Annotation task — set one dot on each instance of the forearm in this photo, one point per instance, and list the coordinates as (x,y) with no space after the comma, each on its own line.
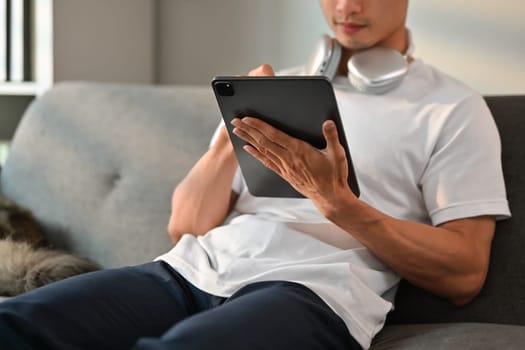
(204,198)
(442,260)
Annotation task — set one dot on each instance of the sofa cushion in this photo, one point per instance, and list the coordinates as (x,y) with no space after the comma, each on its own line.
(451,336)
(97,163)
(501,299)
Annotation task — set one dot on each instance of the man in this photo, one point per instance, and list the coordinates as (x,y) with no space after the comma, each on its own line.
(316,273)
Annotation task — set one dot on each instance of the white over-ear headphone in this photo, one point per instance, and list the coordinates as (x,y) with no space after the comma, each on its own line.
(375,70)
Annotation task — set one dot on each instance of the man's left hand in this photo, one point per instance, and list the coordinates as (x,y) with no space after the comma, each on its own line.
(319,174)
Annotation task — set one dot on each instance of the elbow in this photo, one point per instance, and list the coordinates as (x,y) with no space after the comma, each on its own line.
(468,288)
(173,232)
(462,300)
(177,228)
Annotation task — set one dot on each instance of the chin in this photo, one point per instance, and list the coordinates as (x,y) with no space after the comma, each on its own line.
(352,44)
(356,41)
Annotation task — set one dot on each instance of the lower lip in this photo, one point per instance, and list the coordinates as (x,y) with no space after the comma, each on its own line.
(350,29)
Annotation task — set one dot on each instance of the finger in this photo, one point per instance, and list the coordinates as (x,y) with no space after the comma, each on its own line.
(335,150)
(263,140)
(246,133)
(262,145)
(331,137)
(278,138)
(241,131)
(262,71)
(268,161)
(267,70)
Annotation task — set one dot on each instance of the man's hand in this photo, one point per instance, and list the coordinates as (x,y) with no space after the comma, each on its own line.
(317,174)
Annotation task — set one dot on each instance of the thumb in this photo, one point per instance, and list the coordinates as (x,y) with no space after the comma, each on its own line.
(262,71)
(335,151)
(330,135)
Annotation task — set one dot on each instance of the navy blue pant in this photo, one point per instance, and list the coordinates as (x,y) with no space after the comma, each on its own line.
(152,307)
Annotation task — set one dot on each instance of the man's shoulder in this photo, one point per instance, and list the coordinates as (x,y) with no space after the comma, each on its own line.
(437,85)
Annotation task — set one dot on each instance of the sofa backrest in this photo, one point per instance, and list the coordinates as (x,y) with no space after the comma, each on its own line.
(502,298)
(97,163)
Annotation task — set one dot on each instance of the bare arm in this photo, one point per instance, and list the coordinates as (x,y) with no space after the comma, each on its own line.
(450,260)
(204,197)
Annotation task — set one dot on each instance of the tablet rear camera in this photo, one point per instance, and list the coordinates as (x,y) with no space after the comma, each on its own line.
(224,88)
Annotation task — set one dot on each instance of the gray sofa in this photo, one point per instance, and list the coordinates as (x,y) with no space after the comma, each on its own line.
(97,163)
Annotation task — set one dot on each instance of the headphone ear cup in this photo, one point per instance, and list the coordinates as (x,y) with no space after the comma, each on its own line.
(324,58)
(376,70)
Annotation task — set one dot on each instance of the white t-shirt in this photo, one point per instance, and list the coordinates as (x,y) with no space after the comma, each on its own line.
(427,151)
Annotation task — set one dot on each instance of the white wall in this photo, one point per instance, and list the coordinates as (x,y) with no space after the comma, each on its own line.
(200,39)
(104,40)
(479,42)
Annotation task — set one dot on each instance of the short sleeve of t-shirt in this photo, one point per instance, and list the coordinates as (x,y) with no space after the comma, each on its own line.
(463,177)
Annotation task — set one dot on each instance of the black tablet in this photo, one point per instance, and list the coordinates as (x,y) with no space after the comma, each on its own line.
(296,105)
